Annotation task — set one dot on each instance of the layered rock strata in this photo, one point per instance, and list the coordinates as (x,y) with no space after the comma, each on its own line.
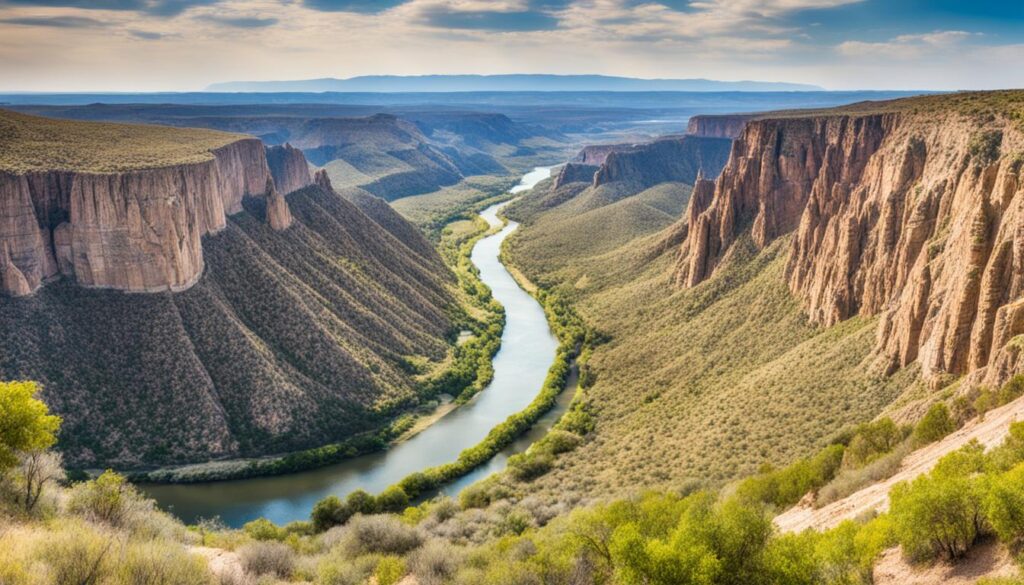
(914,216)
(677,158)
(722,126)
(137,230)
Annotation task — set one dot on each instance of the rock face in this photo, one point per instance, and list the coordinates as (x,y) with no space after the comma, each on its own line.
(136,231)
(278,215)
(289,168)
(595,154)
(575,173)
(727,126)
(917,217)
(679,159)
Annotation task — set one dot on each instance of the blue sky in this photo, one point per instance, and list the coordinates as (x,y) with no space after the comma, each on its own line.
(149,45)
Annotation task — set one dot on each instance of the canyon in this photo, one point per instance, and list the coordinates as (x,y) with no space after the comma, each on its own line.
(207,286)
(913,212)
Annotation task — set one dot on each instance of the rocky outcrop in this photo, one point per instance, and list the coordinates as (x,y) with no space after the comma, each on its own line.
(323,180)
(289,168)
(595,154)
(916,217)
(724,126)
(575,173)
(278,215)
(678,158)
(136,231)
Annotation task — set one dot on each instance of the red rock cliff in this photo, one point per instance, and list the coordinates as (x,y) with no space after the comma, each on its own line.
(914,216)
(137,231)
(289,168)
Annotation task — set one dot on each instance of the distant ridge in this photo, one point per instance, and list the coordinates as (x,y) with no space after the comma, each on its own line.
(516,82)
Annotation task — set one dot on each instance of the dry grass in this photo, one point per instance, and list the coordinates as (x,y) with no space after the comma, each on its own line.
(32,143)
(700,385)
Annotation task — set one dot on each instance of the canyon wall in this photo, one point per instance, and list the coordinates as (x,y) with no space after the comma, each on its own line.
(575,173)
(718,126)
(289,168)
(914,216)
(136,231)
(678,158)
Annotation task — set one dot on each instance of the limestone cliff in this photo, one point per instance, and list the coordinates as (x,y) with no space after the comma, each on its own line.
(137,230)
(720,126)
(914,212)
(595,154)
(677,158)
(289,167)
(575,173)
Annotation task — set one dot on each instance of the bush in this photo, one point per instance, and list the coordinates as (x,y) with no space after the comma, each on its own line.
(78,554)
(935,425)
(784,487)
(338,571)
(851,480)
(161,563)
(268,558)
(377,534)
(27,423)
(1004,505)
(871,441)
(389,570)
(109,499)
(435,562)
(263,529)
(940,514)
(529,466)
(558,441)
(330,512)
(393,499)
(1011,390)
(360,502)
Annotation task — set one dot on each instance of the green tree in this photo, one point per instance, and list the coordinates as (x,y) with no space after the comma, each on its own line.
(1004,505)
(330,512)
(393,499)
(940,514)
(25,422)
(935,425)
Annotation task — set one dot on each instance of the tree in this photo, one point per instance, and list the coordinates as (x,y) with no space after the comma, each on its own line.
(37,470)
(935,425)
(25,422)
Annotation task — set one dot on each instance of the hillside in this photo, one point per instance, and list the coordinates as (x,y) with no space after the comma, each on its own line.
(294,327)
(845,263)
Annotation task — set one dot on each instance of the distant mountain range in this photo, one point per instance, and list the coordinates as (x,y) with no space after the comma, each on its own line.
(518,82)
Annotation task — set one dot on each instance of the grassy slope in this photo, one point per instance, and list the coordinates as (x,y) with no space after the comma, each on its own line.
(695,385)
(433,211)
(31,143)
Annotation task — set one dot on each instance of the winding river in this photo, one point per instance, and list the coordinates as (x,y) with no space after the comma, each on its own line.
(527,351)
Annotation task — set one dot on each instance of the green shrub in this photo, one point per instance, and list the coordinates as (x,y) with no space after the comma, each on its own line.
(263,529)
(871,441)
(334,570)
(329,512)
(940,514)
(1011,390)
(109,498)
(361,502)
(393,499)
(935,425)
(389,570)
(558,441)
(784,487)
(1004,505)
(268,558)
(529,466)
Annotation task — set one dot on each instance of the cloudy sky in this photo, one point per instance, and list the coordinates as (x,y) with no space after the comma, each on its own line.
(156,45)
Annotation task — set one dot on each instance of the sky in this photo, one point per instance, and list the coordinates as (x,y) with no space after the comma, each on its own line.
(184,45)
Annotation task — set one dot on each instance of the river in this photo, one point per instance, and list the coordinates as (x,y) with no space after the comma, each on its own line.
(520,366)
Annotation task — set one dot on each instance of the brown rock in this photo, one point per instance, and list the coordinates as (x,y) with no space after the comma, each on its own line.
(575,173)
(137,231)
(278,215)
(726,126)
(890,215)
(12,279)
(323,180)
(289,168)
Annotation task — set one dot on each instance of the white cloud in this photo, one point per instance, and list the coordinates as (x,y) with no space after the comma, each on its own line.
(910,46)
